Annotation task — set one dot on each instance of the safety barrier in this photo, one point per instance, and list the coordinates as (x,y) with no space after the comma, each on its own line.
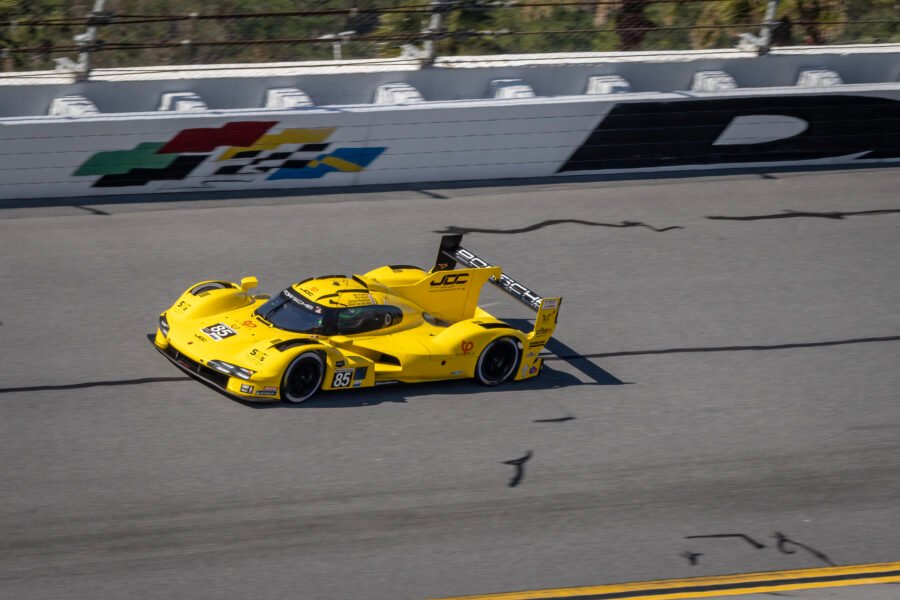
(594,115)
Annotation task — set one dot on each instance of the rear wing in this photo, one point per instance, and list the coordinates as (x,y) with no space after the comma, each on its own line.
(451,252)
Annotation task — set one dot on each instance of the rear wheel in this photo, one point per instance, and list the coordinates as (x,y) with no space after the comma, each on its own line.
(497,362)
(303,377)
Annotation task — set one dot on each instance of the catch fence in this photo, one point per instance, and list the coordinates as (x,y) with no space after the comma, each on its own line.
(78,36)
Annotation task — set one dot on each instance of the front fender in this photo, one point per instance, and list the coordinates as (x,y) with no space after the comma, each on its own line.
(195,304)
(343,370)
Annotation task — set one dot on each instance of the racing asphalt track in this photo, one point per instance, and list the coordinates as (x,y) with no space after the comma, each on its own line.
(727,368)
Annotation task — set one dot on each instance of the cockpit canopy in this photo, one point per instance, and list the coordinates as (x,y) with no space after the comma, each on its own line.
(347,313)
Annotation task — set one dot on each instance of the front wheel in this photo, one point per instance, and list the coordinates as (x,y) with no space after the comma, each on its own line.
(303,377)
(497,362)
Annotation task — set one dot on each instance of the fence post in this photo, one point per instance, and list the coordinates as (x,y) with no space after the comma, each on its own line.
(761,43)
(88,40)
(435,26)
(768,25)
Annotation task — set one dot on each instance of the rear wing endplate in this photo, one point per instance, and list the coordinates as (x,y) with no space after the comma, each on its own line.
(451,252)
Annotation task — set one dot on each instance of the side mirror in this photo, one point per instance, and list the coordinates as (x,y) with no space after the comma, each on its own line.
(248,283)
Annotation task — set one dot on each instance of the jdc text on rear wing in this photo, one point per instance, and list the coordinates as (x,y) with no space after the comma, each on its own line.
(451,252)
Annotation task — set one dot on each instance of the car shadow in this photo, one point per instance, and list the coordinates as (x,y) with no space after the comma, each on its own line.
(549,379)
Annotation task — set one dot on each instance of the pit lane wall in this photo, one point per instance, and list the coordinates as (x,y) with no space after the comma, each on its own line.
(460,119)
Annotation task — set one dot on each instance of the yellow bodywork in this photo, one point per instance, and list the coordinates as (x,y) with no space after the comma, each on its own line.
(434,330)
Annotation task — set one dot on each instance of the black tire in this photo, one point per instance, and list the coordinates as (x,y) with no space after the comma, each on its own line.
(302,378)
(498,361)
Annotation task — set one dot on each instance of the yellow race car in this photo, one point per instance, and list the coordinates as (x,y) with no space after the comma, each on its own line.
(396,324)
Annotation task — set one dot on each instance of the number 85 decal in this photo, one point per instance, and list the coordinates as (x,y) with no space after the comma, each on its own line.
(342,378)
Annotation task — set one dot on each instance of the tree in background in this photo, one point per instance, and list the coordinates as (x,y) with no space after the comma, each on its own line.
(551,27)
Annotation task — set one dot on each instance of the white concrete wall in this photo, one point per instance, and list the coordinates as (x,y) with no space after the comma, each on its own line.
(449,140)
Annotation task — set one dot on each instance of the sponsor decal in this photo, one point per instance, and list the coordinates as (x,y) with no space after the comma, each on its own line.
(219,331)
(257,356)
(542,332)
(301,302)
(506,282)
(267,391)
(246,389)
(251,152)
(467,346)
(451,279)
(342,378)
(739,130)
(456,372)
(549,303)
(357,299)
(387,382)
(537,344)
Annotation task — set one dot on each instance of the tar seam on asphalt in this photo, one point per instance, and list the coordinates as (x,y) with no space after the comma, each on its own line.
(791,214)
(93,211)
(691,556)
(90,384)
(556,420)
(547,223)
(783,542)
(891,338)
(746,538)
(434,195)
(519,464)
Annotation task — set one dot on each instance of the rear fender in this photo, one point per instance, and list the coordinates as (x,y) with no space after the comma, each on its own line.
(462,343)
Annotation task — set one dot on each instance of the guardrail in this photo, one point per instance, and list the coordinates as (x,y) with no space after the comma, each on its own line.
(463,119)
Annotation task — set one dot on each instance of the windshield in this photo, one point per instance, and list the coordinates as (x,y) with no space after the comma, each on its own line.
(287,311)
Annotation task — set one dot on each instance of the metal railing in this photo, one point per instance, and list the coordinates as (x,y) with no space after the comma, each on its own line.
(112,34)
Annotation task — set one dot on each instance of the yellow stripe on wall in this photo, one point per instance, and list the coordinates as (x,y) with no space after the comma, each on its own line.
(288,136)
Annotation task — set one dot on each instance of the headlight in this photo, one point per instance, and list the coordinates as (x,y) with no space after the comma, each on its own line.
(164,325)
(230,369)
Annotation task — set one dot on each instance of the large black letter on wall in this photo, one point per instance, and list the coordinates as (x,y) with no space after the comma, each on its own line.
(684,132)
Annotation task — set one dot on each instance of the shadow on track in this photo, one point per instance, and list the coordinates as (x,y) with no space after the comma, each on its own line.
(402,393)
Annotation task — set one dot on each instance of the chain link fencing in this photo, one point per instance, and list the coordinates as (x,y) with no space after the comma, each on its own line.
(80,35)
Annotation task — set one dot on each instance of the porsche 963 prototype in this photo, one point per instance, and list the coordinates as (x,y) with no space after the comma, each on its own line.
(395,324)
